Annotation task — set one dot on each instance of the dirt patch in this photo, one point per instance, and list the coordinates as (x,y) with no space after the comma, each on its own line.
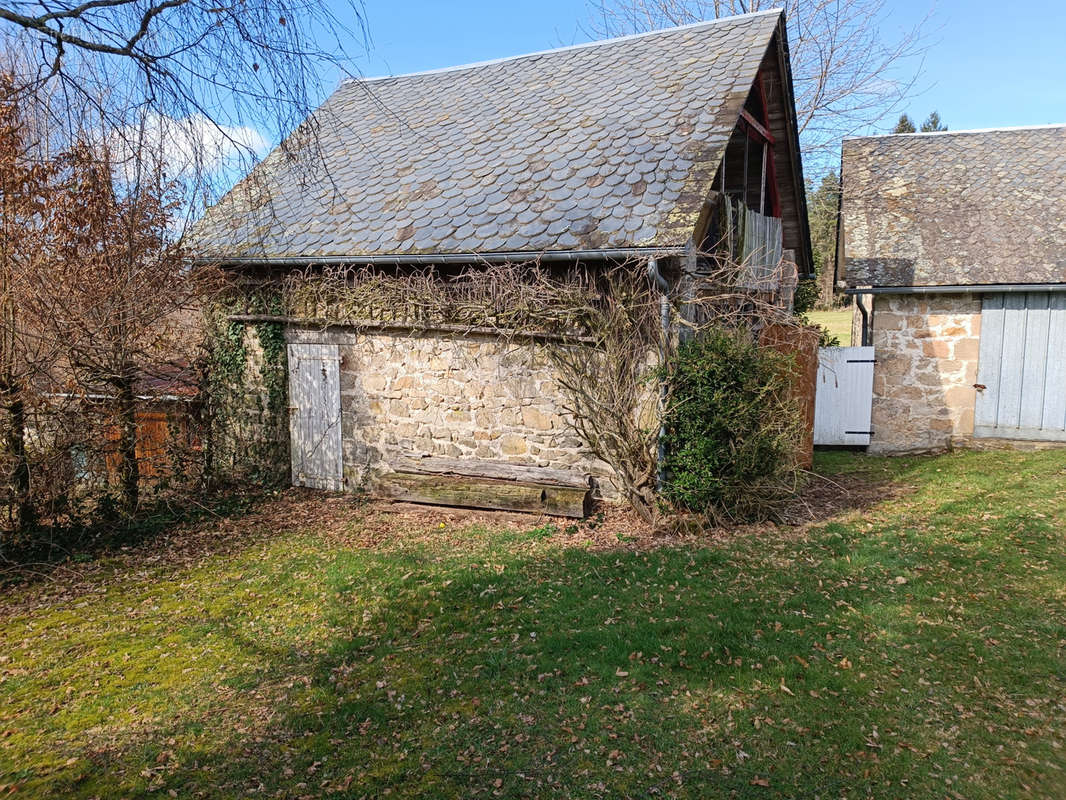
(353,522)
(611,527)
(825,497)
(388,524)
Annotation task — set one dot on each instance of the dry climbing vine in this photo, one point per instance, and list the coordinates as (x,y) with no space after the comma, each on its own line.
(599,328)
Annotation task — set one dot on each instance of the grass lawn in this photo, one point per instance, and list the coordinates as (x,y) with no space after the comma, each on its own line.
(912,648)
(837,322)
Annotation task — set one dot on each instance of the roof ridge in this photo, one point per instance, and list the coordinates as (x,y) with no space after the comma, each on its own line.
(777,10)
(1006,128)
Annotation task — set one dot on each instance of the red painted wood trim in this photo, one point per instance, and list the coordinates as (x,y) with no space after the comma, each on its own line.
(771,168)
(756,127)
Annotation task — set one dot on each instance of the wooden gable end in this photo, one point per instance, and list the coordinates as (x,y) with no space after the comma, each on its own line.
(768,116)
(776,85)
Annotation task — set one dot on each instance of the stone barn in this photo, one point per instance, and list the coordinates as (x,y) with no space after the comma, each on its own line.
(954,246)
(624,150)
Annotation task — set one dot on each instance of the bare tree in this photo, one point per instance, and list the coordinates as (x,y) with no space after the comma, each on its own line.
(214,78)
(25,182)
(114,290)
(848,72)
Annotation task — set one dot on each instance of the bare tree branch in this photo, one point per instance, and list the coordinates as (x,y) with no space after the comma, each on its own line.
(849,72)
(240,65)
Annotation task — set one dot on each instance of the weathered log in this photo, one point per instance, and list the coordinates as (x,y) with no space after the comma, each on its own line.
(400,326)
(489,493)
(499,470)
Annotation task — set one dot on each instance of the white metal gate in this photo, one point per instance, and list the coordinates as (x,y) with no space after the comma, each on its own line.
(844,396)
(315,416)
(1021,370)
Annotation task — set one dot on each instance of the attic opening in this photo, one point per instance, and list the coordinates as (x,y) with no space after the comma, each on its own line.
(748,172)
(746,211)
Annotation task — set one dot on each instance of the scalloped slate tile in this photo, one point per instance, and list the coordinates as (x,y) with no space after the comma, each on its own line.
(597,140)
(956,208)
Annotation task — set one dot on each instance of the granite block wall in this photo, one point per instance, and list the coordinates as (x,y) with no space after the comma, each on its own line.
(461,396)
(926,349)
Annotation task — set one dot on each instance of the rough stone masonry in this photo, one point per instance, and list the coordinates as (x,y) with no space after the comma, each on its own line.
(431,394)
(926,349)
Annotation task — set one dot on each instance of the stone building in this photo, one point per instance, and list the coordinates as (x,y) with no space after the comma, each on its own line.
(954,245)
(613,151)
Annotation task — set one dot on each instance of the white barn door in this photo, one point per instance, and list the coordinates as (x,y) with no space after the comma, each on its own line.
(315,416)
(1021,368)
(843,400)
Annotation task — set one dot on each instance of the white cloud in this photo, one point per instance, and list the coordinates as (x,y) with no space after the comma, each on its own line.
(193,147)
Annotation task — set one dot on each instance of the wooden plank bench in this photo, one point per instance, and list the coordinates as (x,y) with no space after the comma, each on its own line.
(494,485)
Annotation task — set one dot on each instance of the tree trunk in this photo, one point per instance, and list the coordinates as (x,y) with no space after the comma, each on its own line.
(826,296)
(20,470)
(129,469)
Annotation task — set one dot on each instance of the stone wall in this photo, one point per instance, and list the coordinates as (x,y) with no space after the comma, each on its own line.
(470,396)
(926,349)
(250,436)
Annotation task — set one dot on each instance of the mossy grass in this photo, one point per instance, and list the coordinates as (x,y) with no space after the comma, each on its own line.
(911,649)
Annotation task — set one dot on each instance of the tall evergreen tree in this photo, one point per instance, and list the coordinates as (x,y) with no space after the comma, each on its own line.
(822,205)
(932,123)
(904,125)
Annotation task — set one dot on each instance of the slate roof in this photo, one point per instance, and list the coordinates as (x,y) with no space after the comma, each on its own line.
(955,208)
(607,145)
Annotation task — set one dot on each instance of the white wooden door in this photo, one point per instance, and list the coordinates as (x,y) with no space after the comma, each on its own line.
(1021,368)
(843,399)
(315,416)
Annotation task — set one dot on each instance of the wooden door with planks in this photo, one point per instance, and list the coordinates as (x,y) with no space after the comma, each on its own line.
(315,416)
(1021,368)
(844,396)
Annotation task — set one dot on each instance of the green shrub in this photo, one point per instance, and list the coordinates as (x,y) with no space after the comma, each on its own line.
(731,428)
(806,296)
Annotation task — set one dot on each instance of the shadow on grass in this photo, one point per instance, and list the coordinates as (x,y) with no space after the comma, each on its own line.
(756,671)
(38,554)
(900,654)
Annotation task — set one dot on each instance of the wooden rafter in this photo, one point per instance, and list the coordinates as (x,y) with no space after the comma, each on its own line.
(771,169)
(756,127)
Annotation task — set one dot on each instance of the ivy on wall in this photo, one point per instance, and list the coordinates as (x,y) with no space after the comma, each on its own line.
(274,368)
(247,408)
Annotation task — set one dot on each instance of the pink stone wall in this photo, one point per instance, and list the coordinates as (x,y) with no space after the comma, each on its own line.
(926,349)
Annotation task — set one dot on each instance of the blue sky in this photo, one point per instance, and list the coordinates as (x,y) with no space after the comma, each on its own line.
(988,66)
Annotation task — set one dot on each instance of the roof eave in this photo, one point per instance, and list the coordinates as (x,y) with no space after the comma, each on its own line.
(966,288)
(416,259)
